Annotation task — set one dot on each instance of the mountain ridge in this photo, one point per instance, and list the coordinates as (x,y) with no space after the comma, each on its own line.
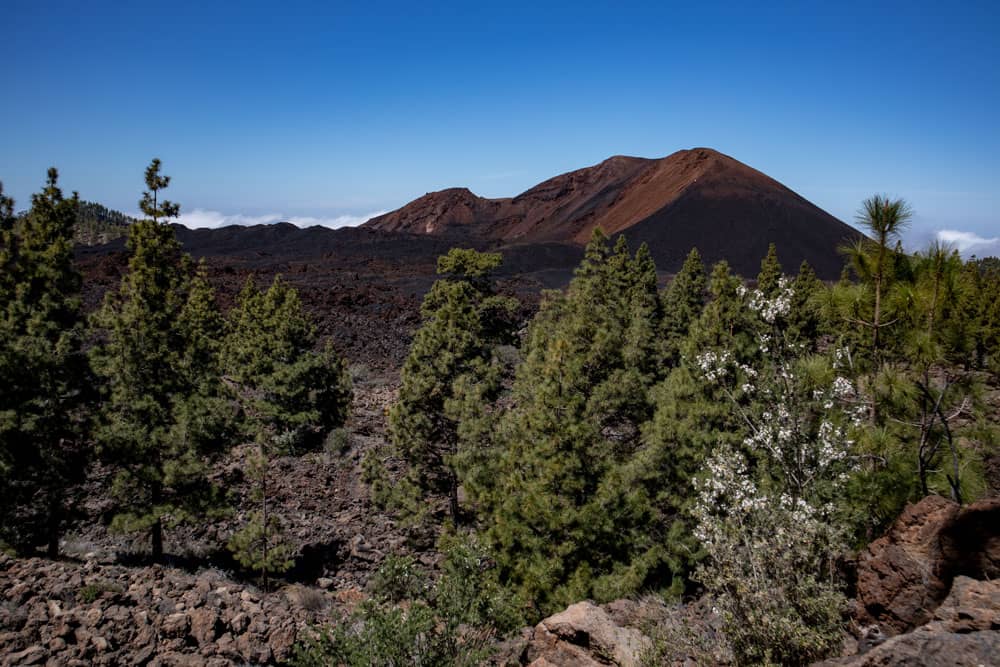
(697,197)
(692,198)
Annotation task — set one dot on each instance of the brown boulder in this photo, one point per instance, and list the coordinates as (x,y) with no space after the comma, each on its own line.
(176,625)
(904,575)
(33,655)
(933,649)
(966,631)
(972,541)
(584,634)
(205,625)
(971,606)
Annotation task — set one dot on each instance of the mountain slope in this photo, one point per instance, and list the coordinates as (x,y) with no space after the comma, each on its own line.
(692,198)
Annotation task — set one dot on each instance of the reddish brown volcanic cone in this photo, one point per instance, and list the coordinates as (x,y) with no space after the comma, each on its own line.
(692,198)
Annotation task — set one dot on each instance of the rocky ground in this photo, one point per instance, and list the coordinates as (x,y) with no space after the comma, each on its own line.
(363,289)
(927,593)
(103,603)
(929,586)
(71,613)
(320,496)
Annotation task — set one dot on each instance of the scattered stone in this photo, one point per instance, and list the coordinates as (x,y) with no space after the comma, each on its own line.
(205,625)
(176,625)
(33,655)
(584,634)
(161,616)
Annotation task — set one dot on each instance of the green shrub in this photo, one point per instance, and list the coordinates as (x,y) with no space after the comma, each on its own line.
(469,591)
(398,579)
(336,442)
(382,634)
(92,591)
(409,622)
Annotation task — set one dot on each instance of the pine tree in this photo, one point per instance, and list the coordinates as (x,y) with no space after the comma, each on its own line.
(6,210)
(930,397)
(162,415)
(290,396)
(149,204)
(770,271)
(564,522)
(439,424)
(683,301)
(966,335)
(261,545)
(804,320)
(690,419)
(879,265)
(723,323)
(989,315)
(42,369)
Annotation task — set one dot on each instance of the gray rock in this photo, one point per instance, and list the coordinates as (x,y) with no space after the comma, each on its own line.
(176,625)
(584,634)
(33,655)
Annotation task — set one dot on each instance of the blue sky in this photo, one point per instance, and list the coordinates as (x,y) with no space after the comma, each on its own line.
(328,112)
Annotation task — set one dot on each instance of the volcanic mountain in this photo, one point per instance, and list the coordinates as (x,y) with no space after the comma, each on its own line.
(692,198)
(364,285)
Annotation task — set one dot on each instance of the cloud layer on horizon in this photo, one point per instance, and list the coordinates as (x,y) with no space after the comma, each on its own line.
(970,243)
(200,218)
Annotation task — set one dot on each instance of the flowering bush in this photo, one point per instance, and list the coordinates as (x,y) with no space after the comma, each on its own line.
(765,512)
(770,566)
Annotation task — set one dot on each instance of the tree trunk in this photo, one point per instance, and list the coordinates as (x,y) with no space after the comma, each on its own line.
(52,525)
(876,320)
(156,531)
(922,473)
(453,499)
(157,539)
(265,527)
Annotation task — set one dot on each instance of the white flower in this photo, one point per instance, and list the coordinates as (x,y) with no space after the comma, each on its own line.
(842,388)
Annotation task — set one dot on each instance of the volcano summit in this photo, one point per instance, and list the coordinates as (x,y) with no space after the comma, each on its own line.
(692,198)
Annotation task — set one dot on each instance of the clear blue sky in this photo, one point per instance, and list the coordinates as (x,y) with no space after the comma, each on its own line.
(327,109)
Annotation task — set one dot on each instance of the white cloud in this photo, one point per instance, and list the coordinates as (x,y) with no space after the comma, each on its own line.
(970,243)
(333,223)
(963,240)
(202,218)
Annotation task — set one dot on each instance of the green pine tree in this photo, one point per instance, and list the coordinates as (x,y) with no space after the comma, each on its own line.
(770,271)
(291,393)
(878,262)
(149,203)
(804,321)
(290,396)
(564,522)
(261,544)
(966,334)
(440,426)
(723,323)
(6,210)
(690,419)
(988,315)
(162,415)
(930,398)
(42,370)
(683,301)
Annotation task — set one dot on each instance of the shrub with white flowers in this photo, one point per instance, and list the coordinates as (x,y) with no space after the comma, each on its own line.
(766,511)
